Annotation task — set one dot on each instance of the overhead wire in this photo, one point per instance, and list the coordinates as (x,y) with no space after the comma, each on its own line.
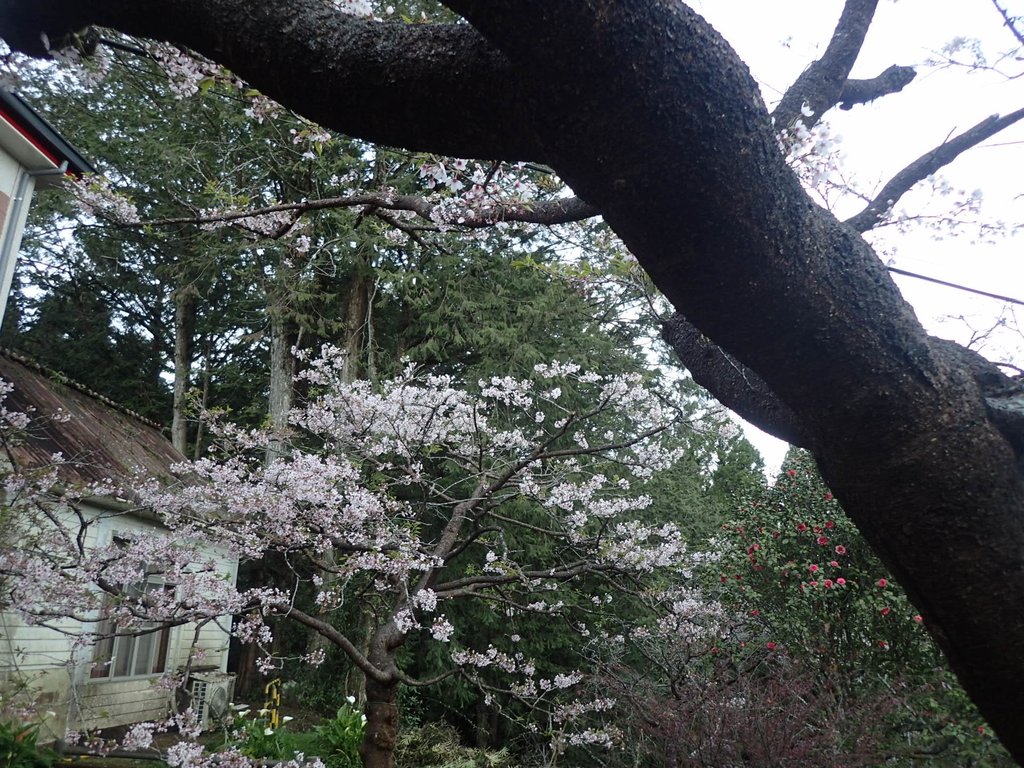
(956,286)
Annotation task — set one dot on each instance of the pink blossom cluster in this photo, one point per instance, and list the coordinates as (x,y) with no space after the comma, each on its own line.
(97,197)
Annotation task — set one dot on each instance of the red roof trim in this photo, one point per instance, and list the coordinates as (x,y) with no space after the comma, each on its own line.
(30,137)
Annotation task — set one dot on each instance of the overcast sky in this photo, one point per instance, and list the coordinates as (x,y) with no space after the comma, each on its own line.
(778,39)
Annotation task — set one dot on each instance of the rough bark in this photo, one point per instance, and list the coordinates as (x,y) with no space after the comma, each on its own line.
(185,302)
(378,746)
(283,335)
(735,386)
(653,119)
(357,317)
(819,84)
(381,736)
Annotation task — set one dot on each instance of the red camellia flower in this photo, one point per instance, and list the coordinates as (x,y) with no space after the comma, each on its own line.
(833,563)
(886,611)
(813,583)
(919,618)
(829,524)
(828,495)
(882,583)
(801,527)
(828,584)
(813,568)
(770,645)
(840,581)
(840,549)
(791,472)
(823,540)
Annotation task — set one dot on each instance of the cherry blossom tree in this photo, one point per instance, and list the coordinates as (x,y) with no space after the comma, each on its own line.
(784,312)
(525,495)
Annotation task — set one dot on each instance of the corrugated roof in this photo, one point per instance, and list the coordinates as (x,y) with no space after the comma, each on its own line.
(100,441)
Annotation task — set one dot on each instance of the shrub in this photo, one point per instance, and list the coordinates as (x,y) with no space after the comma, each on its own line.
(816,596)
(438,746)
(19,747)
(338,739)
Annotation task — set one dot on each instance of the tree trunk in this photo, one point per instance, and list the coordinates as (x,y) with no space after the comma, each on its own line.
(381,737)
(204,402)
(283,336)
(357,316)
(185,302)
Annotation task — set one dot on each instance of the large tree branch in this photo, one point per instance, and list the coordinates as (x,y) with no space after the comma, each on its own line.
(332,635)
(724,230)
(926,165)
(820,85)
(436,87)
(735,386)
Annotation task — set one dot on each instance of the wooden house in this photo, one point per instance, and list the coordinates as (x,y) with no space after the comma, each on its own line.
(111,682)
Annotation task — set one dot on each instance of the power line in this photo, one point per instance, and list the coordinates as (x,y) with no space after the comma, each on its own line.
(1007,299)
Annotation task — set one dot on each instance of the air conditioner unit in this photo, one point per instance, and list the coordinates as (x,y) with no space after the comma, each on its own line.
(211,697)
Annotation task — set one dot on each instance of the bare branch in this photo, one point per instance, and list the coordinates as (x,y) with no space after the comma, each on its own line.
(340,640)
(892,80)
(927,164)
(733,384)
(820,85)
(1010,22)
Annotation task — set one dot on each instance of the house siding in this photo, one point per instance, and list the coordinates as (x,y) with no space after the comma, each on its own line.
(57,678)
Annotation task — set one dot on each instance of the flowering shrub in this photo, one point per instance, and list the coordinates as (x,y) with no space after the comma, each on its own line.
(798,565)
(814,597)
(792,646)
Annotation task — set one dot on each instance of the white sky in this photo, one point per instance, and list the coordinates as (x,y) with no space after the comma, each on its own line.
(778,39)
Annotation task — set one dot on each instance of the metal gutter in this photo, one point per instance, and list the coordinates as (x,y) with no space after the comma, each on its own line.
(41,134)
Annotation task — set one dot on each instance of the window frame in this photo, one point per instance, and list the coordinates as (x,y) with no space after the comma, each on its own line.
(112,647)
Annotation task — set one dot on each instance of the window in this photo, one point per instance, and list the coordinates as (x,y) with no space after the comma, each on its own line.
(136,654)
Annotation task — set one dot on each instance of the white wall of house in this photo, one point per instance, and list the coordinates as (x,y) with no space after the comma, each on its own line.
(60,675)
(16,188)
